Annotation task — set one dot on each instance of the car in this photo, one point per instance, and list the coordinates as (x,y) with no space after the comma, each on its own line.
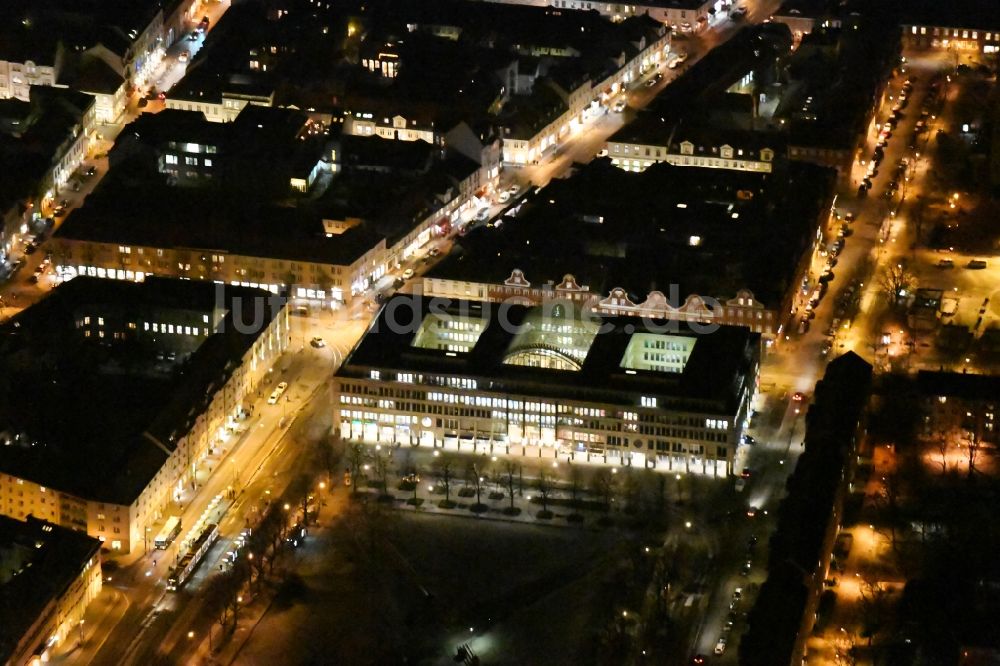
(747,566)
(738,13)
(514,189)
(720,647)
(504,197)
(803,325)
(59,212)
(748,440)
(483,214)
(682,57)
(698,660)
(751,511)
(752,541)
(746,473)
(172,356)
(183,56)
(620,106)
(946,263)
(31,247)
(738,594)
(976,264)
(277,393)
(740,485)
(826,347)
(411,478)
(798,396)
(317,343)
(652,82)
(730,619)
(398,282)
(408,273)
(850,217)
(193,36)
(434,251)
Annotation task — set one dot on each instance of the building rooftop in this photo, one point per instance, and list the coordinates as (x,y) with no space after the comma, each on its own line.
(39,561)
(959,385)
(90,407)
(703,233)
(952,14)
(554,350)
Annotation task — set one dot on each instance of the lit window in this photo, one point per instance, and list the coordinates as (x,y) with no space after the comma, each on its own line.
(171,159)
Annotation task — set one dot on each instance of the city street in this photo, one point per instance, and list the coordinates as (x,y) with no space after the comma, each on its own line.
(258,464)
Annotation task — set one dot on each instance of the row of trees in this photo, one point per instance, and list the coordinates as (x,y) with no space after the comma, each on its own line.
(256,562)
(641,491)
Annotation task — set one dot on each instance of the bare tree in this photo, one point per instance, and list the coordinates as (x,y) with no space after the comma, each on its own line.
(544,486)
(381,463)
(478,479)
(973,452)
(355,461)
(895,280)
(445,473)
(509,469)
(942,444)
(603,484)
(575,483)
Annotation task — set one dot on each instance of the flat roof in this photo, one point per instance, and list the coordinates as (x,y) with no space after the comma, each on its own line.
(97,420)
(968,386)
(704,232)
(712,377)
(49,559)
(952,14)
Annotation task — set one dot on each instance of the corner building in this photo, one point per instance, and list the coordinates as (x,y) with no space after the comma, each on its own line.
(549,381)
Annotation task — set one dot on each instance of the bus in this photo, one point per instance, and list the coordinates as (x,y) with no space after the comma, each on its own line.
(169,532)
(180,573)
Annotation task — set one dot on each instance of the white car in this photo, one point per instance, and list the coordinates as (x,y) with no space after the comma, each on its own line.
(483,214)
(720,647)
(514,189)
(277,393)
(681,58)
(408,273)
(620,106)
(504,197)
(183,56)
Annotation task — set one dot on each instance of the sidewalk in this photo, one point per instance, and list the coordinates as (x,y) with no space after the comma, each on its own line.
(103,614)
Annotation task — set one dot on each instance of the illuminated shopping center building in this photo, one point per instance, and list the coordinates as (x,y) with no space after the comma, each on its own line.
(549,381)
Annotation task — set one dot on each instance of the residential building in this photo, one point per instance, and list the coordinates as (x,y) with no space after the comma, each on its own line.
(42,144)
(690,253)
(961,27)
(111,472)
(48,577)
(271,201)
(549,381)
(960,404)
(689,15)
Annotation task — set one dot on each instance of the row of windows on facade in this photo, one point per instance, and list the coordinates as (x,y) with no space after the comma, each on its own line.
(532,412)
(687,148)
(612,440)
(126,251)
(188,160)
(965,34)
(354,394)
